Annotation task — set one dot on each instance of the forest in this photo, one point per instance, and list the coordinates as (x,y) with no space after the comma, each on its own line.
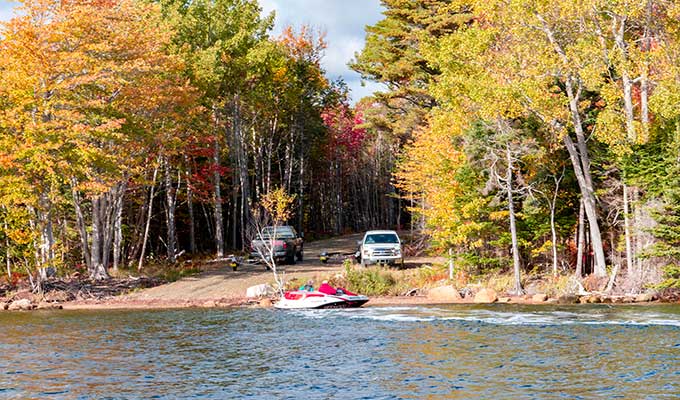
(526,137)
(542,136)
(133,132)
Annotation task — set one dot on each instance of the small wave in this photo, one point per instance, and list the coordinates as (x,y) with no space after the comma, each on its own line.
(398,318)
(423,314)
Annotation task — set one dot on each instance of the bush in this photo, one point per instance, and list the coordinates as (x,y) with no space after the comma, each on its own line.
(173,274)
(373,281)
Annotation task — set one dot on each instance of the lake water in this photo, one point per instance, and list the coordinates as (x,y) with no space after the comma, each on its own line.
(437,352)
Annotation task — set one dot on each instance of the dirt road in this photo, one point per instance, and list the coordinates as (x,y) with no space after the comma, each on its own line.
(223,283)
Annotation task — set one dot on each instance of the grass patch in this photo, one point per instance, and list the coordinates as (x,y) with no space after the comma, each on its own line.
(172,274)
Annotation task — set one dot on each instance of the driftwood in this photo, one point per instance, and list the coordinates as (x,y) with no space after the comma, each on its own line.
(83,289)
(4,289)
(416,246)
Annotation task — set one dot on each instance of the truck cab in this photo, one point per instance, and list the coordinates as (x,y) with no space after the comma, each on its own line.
(380,247)
(285,243)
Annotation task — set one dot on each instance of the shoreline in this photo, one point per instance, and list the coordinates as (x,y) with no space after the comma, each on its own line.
(378,301)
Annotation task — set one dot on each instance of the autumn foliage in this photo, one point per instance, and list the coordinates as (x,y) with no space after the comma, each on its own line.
(129,132)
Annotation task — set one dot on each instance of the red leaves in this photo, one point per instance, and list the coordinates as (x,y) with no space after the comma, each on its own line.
(345,135)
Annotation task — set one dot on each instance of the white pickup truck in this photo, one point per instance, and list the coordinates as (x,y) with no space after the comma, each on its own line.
(380,247)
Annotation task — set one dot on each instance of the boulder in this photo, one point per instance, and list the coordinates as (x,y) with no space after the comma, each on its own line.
(3,306)
(209,304)
(262,290)
(567,299)
(59,296)
(265,303)
(594,299)
(539,297)
(21,305)
(45,305)
(486,296)
(504,299)
(444,294)
(583,299)
(645,297)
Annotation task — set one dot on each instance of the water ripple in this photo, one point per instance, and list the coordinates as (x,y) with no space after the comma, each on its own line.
(498,351)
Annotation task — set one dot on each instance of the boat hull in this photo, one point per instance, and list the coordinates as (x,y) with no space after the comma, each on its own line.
(300,300)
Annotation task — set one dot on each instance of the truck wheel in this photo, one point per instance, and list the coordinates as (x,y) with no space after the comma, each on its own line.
(290,259)
(300,255)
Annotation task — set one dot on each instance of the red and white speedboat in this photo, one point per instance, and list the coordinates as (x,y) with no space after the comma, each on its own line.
(304,299)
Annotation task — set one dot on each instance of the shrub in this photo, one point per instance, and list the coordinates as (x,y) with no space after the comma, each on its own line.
(373,281)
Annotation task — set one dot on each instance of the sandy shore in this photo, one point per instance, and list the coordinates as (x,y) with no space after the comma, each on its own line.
(126,303)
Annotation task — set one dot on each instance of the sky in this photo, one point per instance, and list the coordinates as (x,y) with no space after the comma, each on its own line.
(342,20)
(6,9)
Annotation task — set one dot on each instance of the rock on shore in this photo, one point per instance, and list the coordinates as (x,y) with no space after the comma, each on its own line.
(486,296)
(21,305)
(444,294)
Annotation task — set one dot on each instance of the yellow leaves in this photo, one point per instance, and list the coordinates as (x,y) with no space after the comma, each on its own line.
(85,83)
(277,204)
(545,248)
(501,215)
(280,74)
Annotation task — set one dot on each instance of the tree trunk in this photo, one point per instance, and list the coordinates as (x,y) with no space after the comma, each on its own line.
(234,210)
(148,219)
(580,159)
(637,221)
(97,269)
(289,158)
(581,240)
(107,220)
(80,221)
(553,229)
(46,248)
(626,225)
(118,225)
(513,228)
(170,206)
(217,200)
(242,165)
(588,198)
(190,205)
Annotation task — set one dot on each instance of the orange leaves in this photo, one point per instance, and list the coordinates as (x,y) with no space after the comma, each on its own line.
(85,84)
(307,45)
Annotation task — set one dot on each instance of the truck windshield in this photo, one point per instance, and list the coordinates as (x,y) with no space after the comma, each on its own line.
(381,238)
(282,232)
